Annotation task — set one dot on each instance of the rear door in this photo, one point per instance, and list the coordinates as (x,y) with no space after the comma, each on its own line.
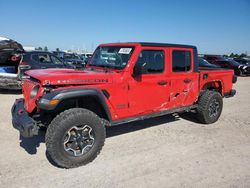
(149,91)
(184,81)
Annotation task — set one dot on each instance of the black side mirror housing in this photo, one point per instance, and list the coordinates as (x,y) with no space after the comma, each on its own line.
(139,69)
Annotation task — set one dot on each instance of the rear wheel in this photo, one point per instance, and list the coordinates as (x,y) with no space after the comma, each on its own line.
(75,137)
(210,107)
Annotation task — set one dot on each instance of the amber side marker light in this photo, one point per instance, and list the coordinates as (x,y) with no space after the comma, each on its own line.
(53,102)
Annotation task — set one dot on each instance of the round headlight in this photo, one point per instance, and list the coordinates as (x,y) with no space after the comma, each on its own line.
(34,91)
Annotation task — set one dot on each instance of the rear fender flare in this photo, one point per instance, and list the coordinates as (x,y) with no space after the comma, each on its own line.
(215,84)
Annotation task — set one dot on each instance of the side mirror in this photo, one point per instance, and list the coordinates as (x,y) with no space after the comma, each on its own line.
(139,69)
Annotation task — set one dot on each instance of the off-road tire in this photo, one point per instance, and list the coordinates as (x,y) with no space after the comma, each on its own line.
(204,103)
(58,128)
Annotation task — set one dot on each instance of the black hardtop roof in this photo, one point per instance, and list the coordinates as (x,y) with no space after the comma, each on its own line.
(166,45)
(155,44)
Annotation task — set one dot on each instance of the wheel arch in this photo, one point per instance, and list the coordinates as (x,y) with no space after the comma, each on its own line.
(216,85)
(91,99)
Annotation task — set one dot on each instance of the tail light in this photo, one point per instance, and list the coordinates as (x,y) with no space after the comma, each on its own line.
(24,66)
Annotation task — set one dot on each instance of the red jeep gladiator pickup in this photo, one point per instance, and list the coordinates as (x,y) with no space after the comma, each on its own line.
(122,82)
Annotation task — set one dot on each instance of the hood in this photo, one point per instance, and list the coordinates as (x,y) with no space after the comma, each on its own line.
(71,76)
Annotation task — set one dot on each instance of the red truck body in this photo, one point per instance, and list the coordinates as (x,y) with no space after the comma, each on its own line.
(123,82)
(129,96)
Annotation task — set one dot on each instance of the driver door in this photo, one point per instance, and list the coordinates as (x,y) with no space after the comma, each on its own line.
(149,92)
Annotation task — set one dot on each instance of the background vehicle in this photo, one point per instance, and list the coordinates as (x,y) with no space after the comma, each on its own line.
(9,50)
(11,76)
(205,63)
(123,82)
(59,54)
(72,59)
(212,58)
(40,60)
(10,56)
(86,57)
(239,69)
(244,61)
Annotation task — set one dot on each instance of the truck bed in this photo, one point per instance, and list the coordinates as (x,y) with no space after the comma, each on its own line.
(218,78)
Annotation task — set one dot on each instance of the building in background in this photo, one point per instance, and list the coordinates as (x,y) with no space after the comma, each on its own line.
(29,48)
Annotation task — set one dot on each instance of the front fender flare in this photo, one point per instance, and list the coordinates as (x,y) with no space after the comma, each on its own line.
(61,95)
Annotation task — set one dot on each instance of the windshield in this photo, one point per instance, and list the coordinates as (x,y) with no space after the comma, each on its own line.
(115,57)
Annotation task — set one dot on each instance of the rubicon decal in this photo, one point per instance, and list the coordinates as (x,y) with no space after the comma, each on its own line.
(82,81)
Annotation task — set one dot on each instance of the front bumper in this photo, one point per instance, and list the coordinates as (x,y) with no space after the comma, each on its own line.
(22,121)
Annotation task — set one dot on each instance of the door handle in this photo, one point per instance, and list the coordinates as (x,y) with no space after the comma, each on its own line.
(186,81)
(162,82)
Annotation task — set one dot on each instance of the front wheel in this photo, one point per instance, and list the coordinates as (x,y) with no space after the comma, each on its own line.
(210,106)
(75,137)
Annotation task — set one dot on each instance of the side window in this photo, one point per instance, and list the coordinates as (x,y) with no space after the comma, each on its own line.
(41,58)
(153,60)
(181,61)
(56,60)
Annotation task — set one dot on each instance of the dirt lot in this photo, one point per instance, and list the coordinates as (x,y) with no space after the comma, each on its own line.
(165,152)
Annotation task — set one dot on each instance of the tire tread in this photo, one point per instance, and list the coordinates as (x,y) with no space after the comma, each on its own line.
(56,125)
(203,104)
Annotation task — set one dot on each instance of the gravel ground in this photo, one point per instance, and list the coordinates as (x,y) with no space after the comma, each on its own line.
(169,151)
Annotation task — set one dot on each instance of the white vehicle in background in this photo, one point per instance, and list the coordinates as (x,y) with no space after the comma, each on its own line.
(86,56)
(10,56)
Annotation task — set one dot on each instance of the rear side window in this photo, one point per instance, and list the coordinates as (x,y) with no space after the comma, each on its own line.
(41,58)
(181,61)
(153,59)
